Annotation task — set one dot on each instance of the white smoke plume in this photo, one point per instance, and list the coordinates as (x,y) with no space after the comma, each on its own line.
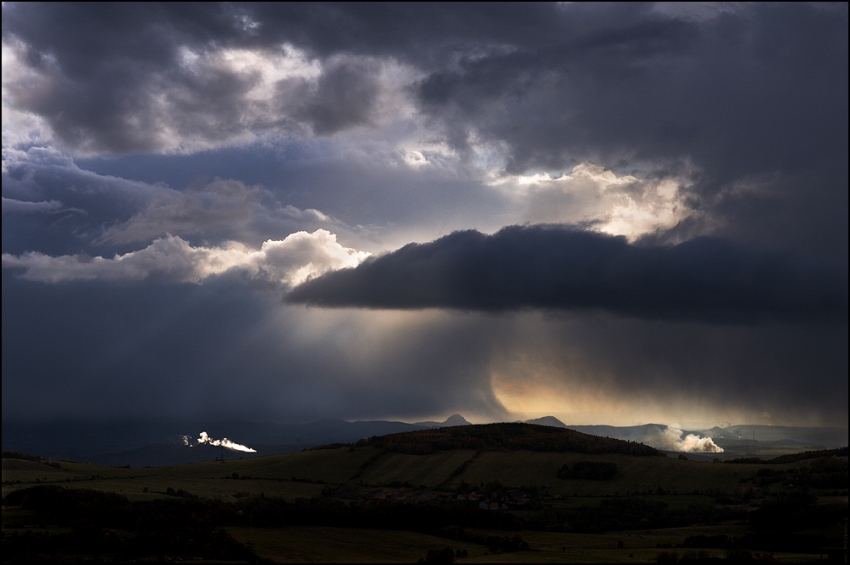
(671,439)
(205,438)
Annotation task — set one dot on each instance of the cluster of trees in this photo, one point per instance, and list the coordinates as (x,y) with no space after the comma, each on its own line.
(23,456)
(780,524)
(826,472)
(822,473)
(107,523)
(507,436)
(792,457)
(795,457)
(29,457)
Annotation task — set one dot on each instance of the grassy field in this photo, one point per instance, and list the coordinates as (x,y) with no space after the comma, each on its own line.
(327,545)
(206,480)
(340,545)
(429,470)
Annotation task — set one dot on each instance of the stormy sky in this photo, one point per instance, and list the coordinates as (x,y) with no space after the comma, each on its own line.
(613,214)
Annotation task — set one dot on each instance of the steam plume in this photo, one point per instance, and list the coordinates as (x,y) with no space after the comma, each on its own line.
(670,439)
(224,443)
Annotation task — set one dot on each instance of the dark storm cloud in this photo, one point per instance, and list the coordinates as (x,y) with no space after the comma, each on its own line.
(556,268)
(345,96)
(113,80)
(755,102)
(762,89)
(111,77)
(557,83)
(751,99)
(101,96)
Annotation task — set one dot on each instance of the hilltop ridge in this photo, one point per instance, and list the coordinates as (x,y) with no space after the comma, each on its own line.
(512,436)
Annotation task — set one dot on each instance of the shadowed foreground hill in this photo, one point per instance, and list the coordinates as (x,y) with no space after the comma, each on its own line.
(513,436)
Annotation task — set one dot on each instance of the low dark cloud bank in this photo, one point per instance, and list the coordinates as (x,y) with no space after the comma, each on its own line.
(552,267)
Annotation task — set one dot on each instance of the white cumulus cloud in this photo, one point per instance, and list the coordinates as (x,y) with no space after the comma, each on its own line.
(287,262)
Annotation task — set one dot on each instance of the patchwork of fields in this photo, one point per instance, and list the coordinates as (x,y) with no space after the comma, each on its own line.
(303,474)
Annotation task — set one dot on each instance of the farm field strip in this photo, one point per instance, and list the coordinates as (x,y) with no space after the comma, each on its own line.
(429,470)
(328,544)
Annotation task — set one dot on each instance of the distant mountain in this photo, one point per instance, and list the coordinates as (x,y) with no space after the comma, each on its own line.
(547,421)
(628,433)
(453,420)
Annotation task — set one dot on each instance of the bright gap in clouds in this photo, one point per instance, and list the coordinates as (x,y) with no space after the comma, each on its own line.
(19,127)
(594,196)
